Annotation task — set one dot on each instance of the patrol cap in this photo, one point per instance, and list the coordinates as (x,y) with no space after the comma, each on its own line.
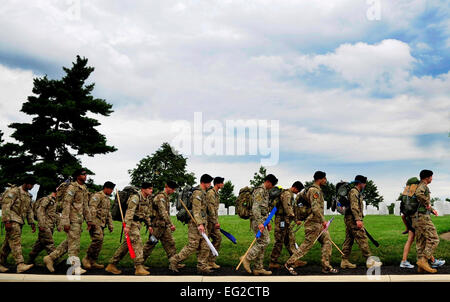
(29,180)
(218,180)
(273,180)
(146,185)
(78,172)
(425,174)
(361,179)
(206,178)
(319,175)
(298,185)
(109,185)
(171,184)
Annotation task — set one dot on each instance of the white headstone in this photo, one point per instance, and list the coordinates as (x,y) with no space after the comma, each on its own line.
(397,208)
(231,210)
(439,206)
(371,210)
(327,211)
(383,209)
(222,210)
(447,208)
(173,210)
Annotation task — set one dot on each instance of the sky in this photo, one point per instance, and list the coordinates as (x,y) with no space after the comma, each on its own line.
(355,86)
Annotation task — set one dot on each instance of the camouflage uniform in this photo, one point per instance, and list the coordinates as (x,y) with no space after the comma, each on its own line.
(284,235)
(47,219)
(99,206)
(196,241)
(260,211)
(161,224)
(427,238)
(137,212)
(213,200)
(75,210)
(313,227)
(352,232)
(16,207)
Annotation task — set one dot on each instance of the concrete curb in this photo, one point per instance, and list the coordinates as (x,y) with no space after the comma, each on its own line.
(223,279)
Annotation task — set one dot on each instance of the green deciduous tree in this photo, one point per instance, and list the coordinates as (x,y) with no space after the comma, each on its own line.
(329,191)
(258,177)
(62,127)
(371,195)
(226,194)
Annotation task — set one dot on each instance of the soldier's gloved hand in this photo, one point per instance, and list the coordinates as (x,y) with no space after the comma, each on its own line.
(126,229)
(269,227)
(8,226)
(33,228)
(110,228)
(59,228)
(261,227)
(41,228)
(173,228)
(298,222)
(67,228)
(150,230)
(201,228)
(217,226)
(359,224)
(90,225)
(435,212)
(324,224)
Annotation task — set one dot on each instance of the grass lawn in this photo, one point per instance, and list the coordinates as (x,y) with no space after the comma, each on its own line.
(385,229)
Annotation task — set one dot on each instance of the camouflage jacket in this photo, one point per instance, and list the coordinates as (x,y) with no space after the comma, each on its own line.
(199,207)
(213,200)
(46,212)
(75,205)
(100,208)
(423,197)
(356,205)
(260,207)
(138,209)
(315,198)
(16,206)
(161,205)
(286,209)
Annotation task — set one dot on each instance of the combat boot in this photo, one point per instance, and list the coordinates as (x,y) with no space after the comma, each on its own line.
(347,264)
(3,269)
(300,263)
(424,265)
(213,265)
(49,263)
(141,271)
(181,265)
(246,264)
(112,268)
(97,265)
(261,272)
(22,267)
(205,271)
(274,265)
(86,263)
(173,265)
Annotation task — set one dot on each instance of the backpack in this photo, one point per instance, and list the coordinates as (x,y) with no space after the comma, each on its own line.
(244,202)
(408,200)
(60,192)
(302,207)
(124,195)
(274,199)
(341,201)
(186,197)
(11,186)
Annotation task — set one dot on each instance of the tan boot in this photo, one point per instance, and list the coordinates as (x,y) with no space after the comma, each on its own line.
(3,269)
(141,271)
(261,272)
(181,265)
(347,264)
(173,265)
(86,263)
(22,267)
(112,268)
(204,271)
(97,265)
(213,265)
(300,263)
(423,264)
(49,263)
(274,265)
(246,264)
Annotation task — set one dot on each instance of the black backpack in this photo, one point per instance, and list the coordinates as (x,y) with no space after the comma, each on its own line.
(409,203)
(186,195)
(341,199)
(123,195)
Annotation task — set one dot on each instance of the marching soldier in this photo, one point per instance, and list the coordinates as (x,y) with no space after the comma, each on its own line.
(195,229)
(354,226)
(47,220)
(161,223)
(16,207)
(75,210)
(427,238)
(313,227)
(136,213)
(213,200)
(99,206)
(260,211)
(283,230)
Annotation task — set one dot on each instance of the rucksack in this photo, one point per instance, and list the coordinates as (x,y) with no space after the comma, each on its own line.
(408,200)
(341,201)
(11,186)
(186,197)
(124,195)
(302,207)
(244,202)
(60,192)
(274,199)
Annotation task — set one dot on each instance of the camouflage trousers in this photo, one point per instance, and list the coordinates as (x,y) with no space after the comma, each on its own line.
(427,238)
(283,236)
(216,240)
(136,243)
(71,245)
(312,230)
(352,233)
(12,244)
(196,243)
(97,234)
(256,253)
(44,242)
(163,234)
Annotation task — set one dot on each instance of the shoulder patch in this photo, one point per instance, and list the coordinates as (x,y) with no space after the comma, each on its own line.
(316,195)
